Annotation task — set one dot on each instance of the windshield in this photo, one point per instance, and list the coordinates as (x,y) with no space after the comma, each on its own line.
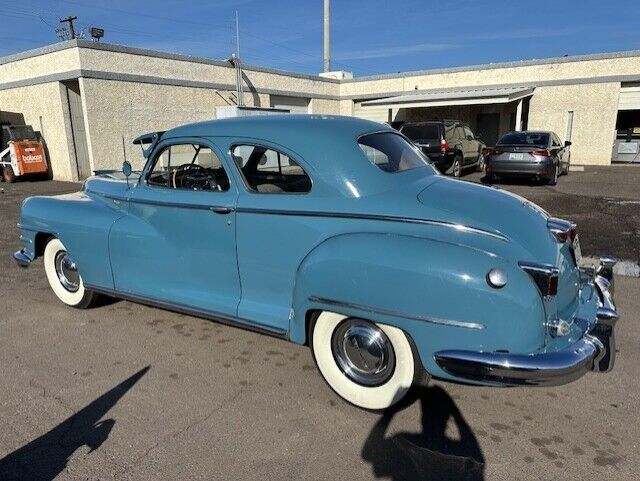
(537,139)
(418,133)
(391,152)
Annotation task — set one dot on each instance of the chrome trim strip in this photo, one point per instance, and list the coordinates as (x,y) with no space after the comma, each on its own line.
(330,214)
(192,311)
(384,312)
(547,269)
(384,218)
(177,205)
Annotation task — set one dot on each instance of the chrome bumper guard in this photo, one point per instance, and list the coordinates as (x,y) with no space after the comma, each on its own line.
(595,351)
(22,259)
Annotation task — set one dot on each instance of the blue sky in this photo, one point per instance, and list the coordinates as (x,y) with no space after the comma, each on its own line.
(368,37)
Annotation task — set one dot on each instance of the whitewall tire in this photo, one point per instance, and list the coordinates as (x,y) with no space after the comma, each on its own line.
(369,365)
(64,278)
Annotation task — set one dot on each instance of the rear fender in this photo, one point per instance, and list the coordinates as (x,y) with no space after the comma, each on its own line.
(435,291)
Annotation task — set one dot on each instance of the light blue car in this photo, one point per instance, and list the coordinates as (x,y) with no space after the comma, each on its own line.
(334,232)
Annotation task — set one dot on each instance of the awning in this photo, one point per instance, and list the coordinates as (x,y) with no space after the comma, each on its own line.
(453,96)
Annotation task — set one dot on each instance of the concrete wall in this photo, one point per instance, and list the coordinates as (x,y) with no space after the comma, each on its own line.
(524,74)
(114,109)
(45,107)
(595,108)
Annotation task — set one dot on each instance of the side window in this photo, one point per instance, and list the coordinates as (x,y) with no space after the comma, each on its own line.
(556,141)
(270,172)
(467,132)
(189,167)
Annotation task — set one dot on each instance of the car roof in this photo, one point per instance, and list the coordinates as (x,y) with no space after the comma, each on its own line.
(325,143)
(276,127)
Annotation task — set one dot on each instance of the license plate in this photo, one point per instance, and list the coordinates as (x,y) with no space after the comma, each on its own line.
(516,156)
(576,249)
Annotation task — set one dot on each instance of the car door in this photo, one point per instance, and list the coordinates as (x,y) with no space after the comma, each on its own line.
(557,148)
(471,146)
(177,244)
(272,241)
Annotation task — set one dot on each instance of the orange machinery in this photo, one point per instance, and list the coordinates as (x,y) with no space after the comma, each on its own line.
(22,153)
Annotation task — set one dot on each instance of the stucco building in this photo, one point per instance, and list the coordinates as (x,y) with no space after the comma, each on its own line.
(85,97)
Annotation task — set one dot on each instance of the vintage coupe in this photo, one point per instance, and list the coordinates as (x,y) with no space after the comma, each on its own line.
(334,232)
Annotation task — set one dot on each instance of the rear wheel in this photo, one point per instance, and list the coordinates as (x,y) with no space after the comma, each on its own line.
(456,167)
(553,180)
(369,365)
(8,175)
(64,278)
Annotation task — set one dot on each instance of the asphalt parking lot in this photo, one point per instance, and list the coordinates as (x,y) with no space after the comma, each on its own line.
(126,391)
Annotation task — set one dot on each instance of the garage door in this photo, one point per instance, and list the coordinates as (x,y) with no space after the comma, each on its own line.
(295,105)
(629,97)
(377,114)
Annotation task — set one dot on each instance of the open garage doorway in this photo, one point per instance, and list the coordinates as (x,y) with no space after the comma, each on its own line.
(490,112)
(626,146)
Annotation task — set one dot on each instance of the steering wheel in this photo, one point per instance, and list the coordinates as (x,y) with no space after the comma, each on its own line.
(191,176)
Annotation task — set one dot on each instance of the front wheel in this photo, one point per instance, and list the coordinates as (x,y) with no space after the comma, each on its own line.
(64,278)
(369,365)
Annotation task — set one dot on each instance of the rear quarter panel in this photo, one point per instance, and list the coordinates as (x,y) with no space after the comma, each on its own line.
(420,285)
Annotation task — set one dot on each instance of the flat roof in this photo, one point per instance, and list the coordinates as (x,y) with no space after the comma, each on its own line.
(204,60)
(453,96)
(499,65)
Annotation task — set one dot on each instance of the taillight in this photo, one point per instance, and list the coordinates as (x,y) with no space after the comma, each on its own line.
(562,229)
(540,153)
(545,277)
(444,146)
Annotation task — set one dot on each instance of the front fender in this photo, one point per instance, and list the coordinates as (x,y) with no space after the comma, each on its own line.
(435,291)
(82,224)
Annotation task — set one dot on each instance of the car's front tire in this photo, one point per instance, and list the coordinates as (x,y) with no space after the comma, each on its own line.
(64,278)
(369,365)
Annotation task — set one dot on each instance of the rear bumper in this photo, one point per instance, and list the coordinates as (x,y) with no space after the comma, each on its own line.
(541,169)
(595,351)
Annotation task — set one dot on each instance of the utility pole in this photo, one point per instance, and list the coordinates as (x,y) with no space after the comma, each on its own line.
(327,36)
(238,65)
(70,20)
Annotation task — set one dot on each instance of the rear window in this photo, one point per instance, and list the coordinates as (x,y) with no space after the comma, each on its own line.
(525,138)
(391,152)
(418,133)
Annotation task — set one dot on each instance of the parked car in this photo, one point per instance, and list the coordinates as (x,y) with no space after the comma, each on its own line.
(537,154)
(449,144)
(334,232)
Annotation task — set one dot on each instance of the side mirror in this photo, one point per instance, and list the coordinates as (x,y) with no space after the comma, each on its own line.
(567,143)
(126,168)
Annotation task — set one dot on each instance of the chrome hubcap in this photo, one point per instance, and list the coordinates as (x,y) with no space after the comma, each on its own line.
(363,352)
(67,272)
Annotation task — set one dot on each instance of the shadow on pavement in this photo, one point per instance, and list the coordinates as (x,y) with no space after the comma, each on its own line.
(47,456)
(431,454)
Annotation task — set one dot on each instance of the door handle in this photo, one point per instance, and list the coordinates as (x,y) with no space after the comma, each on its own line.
(222,209)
